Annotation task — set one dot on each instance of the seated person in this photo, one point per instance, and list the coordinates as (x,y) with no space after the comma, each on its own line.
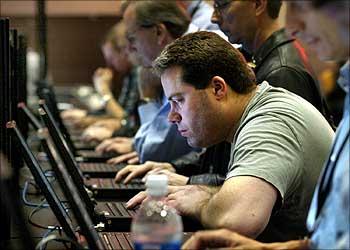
(121,115)
(151,26)
(276,150)
(327,23)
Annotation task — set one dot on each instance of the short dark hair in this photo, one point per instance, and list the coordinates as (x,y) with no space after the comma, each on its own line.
(273,8)
(203,55)
(149,13)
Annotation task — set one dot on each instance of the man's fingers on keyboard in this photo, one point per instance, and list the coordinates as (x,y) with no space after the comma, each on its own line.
(122,173)
(134,160)
(136,200)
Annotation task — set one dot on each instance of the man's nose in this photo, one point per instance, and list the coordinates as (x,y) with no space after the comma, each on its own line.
(174,117)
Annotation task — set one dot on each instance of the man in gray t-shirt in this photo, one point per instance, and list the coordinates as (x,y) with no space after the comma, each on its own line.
(284,141)
(279,140)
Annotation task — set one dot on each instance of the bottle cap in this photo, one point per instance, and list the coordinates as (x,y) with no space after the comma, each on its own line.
(157,184)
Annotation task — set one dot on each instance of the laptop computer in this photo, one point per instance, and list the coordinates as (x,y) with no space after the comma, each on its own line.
(48,97)
(86,156)
(11,207)
(41,180)
(95,240)
(102,170)
(101,188)
(113,214)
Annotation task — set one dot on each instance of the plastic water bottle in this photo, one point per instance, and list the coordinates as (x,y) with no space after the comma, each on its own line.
(156,225)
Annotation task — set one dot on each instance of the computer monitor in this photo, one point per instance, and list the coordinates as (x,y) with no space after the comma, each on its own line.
(44,185)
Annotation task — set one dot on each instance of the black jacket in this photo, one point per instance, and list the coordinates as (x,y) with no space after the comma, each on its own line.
(282,62)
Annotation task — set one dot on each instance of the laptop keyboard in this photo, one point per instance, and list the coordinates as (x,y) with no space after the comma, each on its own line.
(117,209)
(117,240)
(109,183)
(100,167)
(94,154)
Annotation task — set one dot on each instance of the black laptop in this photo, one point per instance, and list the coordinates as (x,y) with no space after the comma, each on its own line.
(101,188)
(54,129)
(102,240)
(113,214)
(48,97)
(95,240)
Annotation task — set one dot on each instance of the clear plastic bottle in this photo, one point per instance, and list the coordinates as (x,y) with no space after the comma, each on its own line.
(156,225)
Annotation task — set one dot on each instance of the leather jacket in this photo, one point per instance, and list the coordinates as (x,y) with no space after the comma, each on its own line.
(283,62)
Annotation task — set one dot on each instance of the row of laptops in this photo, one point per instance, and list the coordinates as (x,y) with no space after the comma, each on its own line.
(110,212)
(78,148)
(98,177)
(79,202)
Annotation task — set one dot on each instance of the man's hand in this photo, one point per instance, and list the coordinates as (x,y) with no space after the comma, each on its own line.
(188,200)
(137,200)
(102,80)
(73,114)
(121,145)
(96,134)
(173,178)
(132,171)
(130,158)
(111,124)
(221,238)
(224,238)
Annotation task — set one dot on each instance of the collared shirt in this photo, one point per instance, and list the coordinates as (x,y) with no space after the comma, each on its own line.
(328,218)
(201,13)
(157,139)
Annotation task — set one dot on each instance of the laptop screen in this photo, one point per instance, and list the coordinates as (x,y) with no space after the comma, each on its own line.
(45,186)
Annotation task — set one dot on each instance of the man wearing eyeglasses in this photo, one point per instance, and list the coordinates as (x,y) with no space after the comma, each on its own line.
(276,57)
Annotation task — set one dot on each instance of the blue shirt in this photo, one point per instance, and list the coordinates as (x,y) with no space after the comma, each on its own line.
(201,13)
(328,218)
(157,139)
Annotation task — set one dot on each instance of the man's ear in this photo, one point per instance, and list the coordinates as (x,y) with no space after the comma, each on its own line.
(161,33)
(219,87)
(260,7)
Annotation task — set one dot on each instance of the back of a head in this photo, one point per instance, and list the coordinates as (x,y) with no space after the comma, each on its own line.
(203,55)
(149,13)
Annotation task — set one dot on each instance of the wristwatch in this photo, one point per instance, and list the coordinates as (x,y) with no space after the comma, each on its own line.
(106,98)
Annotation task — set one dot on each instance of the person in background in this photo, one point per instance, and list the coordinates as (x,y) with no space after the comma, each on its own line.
(277,58)
(324,26)
(121,114)
(151,25)
(200,12)
(206,167)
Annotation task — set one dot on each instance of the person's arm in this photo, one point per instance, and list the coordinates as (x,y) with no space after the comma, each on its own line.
(267,164)
(102,81)
(224,238)
(243,204)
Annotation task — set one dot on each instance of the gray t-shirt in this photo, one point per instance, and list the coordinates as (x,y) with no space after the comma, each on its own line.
(283,140)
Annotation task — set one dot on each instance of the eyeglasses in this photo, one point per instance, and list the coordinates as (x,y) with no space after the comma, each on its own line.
(220,5)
